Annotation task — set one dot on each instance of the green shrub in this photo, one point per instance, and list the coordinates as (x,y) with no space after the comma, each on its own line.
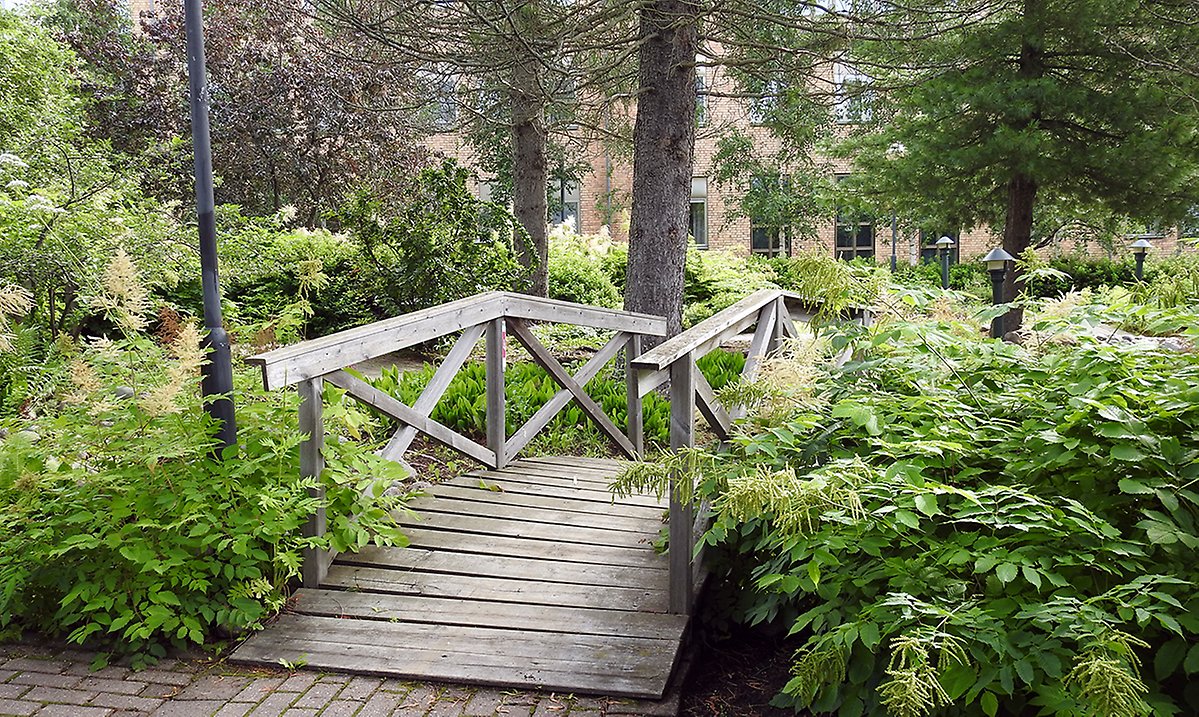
(576,272)
(715,280)
(117,529)
(1081,272)
(958,525)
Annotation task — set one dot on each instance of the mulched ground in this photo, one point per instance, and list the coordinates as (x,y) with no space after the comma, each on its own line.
(738,676)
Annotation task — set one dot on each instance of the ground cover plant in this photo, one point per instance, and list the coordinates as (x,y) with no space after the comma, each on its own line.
(954,525)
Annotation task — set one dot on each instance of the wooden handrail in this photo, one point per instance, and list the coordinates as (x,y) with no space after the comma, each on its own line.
(316,357)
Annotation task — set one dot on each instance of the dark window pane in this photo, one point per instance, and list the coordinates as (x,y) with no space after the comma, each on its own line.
(699,224)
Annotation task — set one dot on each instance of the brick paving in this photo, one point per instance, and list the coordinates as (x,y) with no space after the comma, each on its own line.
(45,681)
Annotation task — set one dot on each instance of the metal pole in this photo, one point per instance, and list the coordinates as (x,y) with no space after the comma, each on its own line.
(218,371)
(1140,270)
(944,268)
(894,239)
(997,298)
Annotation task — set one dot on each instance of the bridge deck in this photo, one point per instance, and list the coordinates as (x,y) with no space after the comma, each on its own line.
(529,577)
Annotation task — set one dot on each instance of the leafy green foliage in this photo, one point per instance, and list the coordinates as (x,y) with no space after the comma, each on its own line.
(956,521)
(576,271)
(442,244)
(714,280)
(119,529)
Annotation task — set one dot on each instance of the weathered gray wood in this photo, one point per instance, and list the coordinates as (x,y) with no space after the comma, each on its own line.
(480,613)
(763,340)
(445,562)
(787,327)
(613,665)
(682,435)
(486,546)
(648,379)
(593,410)
(532,308)
(391,406)
(444,504)
(529,592)
(497,430)
(316,357)
(709,333)
(503,495)
(634,420)
(711,409)
(312,463)
(557,488)
(487,526)
(539,420)
(434,390)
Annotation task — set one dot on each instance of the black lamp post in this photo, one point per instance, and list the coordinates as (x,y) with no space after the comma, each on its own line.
(217,385)
(894,242)
(1139,248)
(997,266)
(944,244)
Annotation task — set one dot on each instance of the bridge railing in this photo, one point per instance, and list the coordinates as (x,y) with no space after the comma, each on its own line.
(773,314)
(309,364)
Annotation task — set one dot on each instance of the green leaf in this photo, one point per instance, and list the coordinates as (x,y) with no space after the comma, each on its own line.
(1126,452)
(1032,576)
(1006,572)
(989,704)
(868,634)
(1168,658)
(1191,664)
(1134,487)
(908,518)
(927,503)
(957,679)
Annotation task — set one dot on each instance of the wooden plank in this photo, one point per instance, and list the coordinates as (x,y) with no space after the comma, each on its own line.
(316,357)
(589,472)
(537,500)
(561,487)
(709,333)
(433,563)
(556,488)
(612,465)
(787,325)
(533,308)
(434,390)
(455,506)
(312,463)
(682,435)
(477,613)
(496,427)
(485,525)
(639,556)
(543,358)
(539,420)
(392,407)
(648,380)
(568,663)
(710,408)
(528,592)
(759,346)
(634,410)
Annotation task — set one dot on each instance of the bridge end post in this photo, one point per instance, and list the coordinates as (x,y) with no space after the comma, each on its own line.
(496,429)
(682,435)
(312,463)
(635,427)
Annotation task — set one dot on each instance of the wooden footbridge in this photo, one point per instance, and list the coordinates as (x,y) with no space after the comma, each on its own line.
(527,572)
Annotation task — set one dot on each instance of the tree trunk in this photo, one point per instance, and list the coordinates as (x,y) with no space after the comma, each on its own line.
(663,154)
(1022,188)
(1017,236)
(530,172)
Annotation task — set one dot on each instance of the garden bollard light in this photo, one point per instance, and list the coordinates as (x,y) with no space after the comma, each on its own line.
(997,265)
(1139,248)
(944,244)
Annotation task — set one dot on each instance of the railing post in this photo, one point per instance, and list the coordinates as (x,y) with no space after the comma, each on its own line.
(635,428)
(312,463)
(682,435)
(496,429)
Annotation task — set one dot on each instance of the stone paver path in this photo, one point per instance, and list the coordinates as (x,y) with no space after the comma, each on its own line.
(48,681)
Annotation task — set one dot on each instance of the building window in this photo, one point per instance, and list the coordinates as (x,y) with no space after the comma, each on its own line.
(701,99)
(855,236)
(853,94)
(769,240)
(565,203)
(699,211)
(928,246)
(443,109)
(763,105)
